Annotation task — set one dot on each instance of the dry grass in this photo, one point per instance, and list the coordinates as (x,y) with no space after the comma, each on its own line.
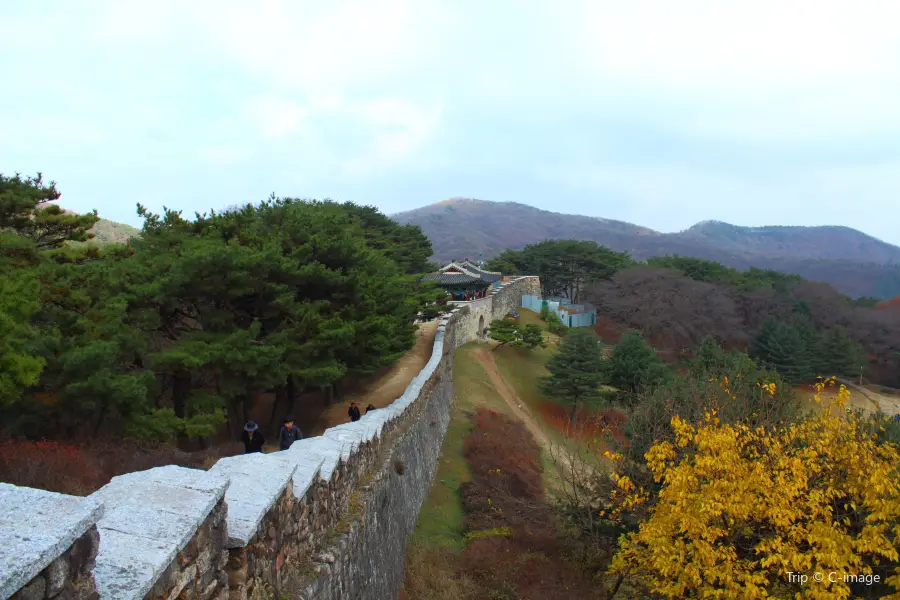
(856,401)
(432,574)
(515,548)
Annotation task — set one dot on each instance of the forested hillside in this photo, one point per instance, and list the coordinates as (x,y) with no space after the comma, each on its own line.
(172,334)
(854,263)
(804,329)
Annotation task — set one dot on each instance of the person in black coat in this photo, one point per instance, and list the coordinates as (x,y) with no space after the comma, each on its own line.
(370,408)
(252,438)
(353,412)
(289,434)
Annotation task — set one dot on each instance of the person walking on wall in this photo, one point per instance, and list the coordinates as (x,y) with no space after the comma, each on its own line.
(353,412)
(289,434)
(370,408)
(252,438)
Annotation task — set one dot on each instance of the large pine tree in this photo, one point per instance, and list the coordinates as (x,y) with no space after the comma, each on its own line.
(634,365)
(782,346)
(840,355)
(576,370)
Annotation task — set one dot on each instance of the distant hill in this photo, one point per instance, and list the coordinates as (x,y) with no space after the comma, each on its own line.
(853,262)
(110,232)
(779,241)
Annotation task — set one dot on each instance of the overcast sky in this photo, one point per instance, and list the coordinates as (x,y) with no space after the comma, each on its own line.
(659,113)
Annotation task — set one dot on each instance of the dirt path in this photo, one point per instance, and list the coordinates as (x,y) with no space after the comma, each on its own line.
(389,386)
(509,395)
(561,459)
(887,405)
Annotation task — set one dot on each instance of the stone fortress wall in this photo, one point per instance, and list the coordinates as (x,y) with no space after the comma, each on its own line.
(327,519)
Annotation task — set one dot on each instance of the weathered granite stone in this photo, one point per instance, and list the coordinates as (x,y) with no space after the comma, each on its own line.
(70,576)
(37,528)
(157,513)
(307,468)
(257,482)
(320,447)
(57,576)
(35,590)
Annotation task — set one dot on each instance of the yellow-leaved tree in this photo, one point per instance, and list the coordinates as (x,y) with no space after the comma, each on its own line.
(742,513)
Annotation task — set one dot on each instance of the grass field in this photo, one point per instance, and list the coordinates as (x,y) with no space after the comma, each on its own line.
(440,520)
(437,544)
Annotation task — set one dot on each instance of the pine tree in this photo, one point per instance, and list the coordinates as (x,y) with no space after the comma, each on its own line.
(93,376)
(707,357)
(19,367)
(840,355)
(31,229)
(576,370)
(27,208)
(808,358)
(510,333)
(503,331)
(633,364)
(782,346)
(532,336)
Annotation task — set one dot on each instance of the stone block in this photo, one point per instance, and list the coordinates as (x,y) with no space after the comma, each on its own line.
(157,512)
(257,482)
(306,465)
(330,451)
(37,528)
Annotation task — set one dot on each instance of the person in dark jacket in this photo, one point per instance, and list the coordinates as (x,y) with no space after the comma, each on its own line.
(353,412)
(370,408)
(252,438)
(289,434)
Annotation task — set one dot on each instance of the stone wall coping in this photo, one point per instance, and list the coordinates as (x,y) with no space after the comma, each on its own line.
(349,440)
(322,448)
(308,467)
(37,527)
(257,482)
(153,514)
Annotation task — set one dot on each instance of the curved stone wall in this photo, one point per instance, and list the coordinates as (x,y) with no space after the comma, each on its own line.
(327,519)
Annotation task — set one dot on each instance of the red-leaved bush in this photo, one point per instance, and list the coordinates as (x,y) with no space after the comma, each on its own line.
(82,469)
(514,548)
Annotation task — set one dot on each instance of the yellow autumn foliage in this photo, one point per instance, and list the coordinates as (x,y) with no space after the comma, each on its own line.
(740,508)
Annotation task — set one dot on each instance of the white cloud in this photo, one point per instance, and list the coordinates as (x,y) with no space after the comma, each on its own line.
(224,156)
(708,45)
(327,95)
(278,117)
(403,130)
(671,198)
(766,70)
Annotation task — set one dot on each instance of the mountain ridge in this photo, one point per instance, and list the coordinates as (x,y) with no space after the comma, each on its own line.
(854,262)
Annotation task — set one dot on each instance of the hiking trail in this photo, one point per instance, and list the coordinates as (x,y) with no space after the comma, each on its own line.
(389,386)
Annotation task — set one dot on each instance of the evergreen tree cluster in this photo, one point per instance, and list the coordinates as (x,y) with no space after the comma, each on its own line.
(579,371)
(173,334)
(564,266)
(714,272)
(801,352)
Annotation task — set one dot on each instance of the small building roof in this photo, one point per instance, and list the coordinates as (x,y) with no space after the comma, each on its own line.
(468,268)
(469,264)
(462,279)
